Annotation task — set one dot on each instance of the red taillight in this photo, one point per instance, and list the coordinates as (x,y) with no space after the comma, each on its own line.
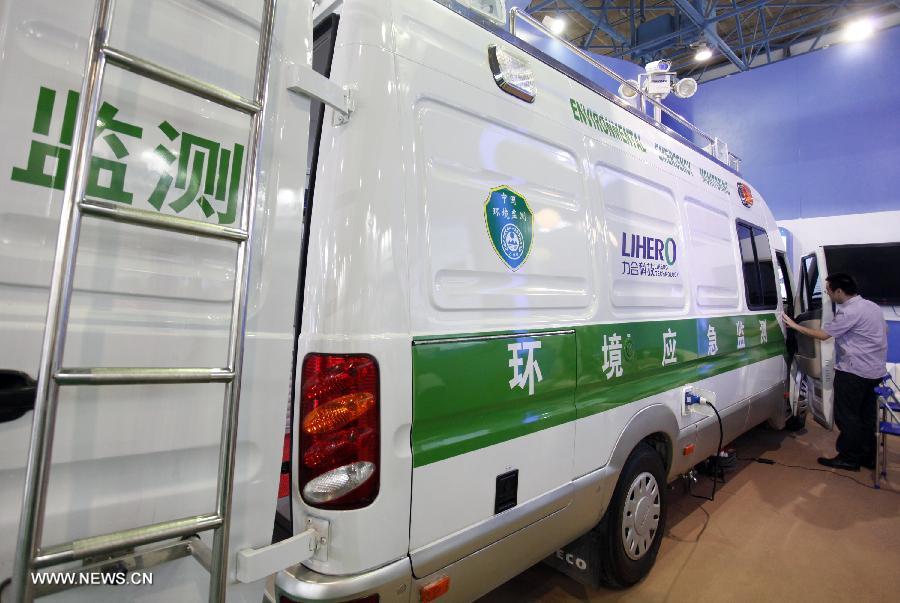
(339,431)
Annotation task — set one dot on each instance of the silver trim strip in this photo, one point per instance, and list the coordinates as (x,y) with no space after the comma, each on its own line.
(469,338)
(477,573)
(391,582)
(433,557)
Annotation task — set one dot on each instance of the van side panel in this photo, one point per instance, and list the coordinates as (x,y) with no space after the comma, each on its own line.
(472,422)
(646,278)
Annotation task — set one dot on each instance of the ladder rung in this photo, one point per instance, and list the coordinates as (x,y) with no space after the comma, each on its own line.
(114,541)
(128,215)
(141,376)
(179,80)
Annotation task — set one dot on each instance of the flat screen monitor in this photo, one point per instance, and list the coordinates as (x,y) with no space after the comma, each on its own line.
(876,268)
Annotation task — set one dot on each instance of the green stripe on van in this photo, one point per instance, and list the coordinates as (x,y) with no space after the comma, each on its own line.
(475,390)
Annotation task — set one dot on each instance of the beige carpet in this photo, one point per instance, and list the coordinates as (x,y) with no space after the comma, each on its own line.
(774,533)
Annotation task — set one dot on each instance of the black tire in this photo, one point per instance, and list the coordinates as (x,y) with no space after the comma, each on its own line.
(798,422)
(618,567)
(795,422)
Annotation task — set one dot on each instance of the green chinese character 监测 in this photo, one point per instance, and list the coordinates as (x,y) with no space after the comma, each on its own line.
(206,171)
(108,129)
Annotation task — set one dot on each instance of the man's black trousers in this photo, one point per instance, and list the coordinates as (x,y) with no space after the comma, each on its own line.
(855,413)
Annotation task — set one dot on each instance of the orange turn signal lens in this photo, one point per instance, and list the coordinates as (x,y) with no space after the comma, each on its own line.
(689,449)
(436,589)
(336,413)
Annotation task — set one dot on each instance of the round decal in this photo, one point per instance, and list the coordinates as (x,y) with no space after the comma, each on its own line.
(512,241)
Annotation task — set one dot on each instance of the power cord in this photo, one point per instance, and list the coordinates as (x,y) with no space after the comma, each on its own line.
(766,461)
(695,399)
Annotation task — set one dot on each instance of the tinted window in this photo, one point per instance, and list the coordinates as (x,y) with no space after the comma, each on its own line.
(758,267)
(813,283)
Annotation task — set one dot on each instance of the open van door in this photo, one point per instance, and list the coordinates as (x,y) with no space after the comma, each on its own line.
(794,416)
(812,373)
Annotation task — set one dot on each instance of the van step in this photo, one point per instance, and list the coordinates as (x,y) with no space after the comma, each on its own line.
(115,541)
(145,559)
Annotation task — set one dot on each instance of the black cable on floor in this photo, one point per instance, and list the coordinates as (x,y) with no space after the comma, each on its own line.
(766,461)
(715,462)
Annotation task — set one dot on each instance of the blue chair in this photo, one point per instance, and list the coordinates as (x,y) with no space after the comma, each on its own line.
(888,424)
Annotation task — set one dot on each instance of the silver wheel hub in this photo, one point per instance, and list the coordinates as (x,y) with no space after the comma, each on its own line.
(640,515)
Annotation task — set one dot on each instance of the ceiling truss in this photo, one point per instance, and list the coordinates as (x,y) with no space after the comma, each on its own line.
(742,33)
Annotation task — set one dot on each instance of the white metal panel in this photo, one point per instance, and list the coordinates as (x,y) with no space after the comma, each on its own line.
(641,221)
(462,156)
(711,244)
(456,493)
(370,537)
(357,294)
(468,137)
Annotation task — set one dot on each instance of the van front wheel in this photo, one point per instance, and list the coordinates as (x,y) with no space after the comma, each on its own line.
(631,530)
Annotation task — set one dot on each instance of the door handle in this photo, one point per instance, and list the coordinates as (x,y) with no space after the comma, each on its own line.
(17,394)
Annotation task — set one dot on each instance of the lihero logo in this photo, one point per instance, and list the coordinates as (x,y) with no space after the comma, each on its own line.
(649,248)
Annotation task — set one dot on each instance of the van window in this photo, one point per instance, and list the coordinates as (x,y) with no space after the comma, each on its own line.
(812,300)
(757,267)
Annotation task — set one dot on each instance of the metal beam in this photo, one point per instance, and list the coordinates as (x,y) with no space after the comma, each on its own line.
(740,27)
(541,6)
(799,31)
(822,33)
(765,30)
(596,20)
(694,15)
(688,30)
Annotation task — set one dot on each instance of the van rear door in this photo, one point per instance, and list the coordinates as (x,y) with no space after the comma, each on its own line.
(130,455)
(814,377)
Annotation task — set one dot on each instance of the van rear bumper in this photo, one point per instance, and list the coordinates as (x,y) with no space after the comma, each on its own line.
(392,582)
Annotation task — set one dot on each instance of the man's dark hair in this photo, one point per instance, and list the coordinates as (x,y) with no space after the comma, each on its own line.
(844,282)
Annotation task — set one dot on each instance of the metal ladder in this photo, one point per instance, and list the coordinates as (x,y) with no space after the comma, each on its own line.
(30,557)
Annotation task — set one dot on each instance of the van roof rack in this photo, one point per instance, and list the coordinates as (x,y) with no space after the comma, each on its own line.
(717,149)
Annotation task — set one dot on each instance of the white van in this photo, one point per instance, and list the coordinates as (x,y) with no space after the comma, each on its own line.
(510,288)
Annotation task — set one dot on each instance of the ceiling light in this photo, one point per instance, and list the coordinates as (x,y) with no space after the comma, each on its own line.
(859,30)
(703,53)
(555,25)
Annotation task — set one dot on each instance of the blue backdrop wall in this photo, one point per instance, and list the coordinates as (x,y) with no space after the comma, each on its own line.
(819,133)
